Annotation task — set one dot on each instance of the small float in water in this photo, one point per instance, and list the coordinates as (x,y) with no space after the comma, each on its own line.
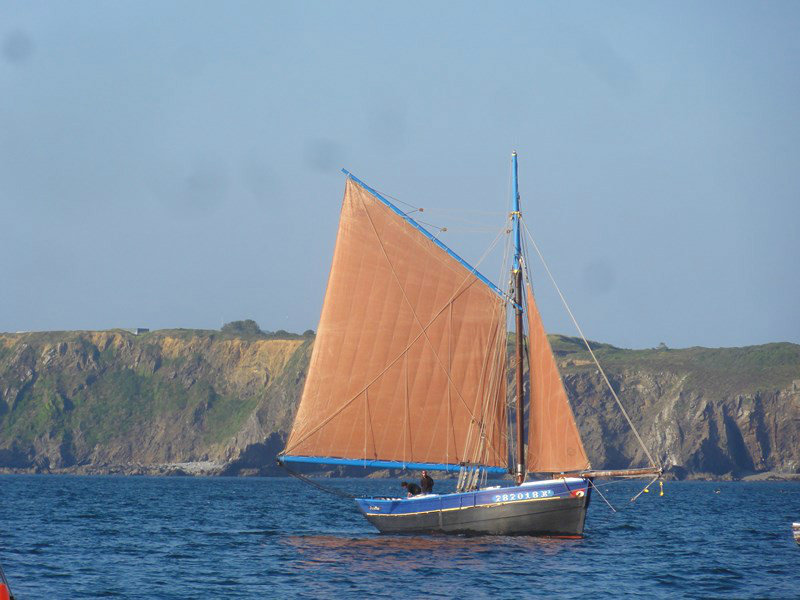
(796,532)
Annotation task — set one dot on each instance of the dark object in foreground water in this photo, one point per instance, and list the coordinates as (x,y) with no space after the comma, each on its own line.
(5,590)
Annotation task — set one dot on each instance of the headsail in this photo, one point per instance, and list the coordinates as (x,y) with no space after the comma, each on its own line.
(554,443)
(409,360)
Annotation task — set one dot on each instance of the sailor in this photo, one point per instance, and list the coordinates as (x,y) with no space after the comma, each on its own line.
(426,483)
(412,488)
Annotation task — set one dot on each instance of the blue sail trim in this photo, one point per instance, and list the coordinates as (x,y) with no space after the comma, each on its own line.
(383,464)
(430,236)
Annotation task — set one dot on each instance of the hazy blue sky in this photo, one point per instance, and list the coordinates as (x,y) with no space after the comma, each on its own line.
(176,164)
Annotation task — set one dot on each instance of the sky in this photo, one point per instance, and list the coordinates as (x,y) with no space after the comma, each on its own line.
(178,164)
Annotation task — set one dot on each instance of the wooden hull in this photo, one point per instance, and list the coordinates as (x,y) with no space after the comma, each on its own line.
(555,508)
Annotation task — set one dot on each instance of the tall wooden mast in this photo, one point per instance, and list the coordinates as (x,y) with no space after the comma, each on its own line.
(517,275)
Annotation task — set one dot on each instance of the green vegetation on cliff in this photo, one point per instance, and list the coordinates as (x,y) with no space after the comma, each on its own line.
(97,398)
(112,400)
(713,370)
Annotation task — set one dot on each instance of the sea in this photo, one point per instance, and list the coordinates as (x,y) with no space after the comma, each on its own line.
(65,537)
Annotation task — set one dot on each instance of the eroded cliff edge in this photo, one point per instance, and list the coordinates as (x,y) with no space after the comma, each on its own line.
(185,401)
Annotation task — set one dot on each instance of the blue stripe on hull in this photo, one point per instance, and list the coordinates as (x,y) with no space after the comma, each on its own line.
(384,464)
(535,491)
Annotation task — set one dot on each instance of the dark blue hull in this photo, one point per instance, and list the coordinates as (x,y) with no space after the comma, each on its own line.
(555,507)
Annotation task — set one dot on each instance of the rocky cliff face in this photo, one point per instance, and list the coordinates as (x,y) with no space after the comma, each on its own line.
(727,412)
(181,401)
(112,401)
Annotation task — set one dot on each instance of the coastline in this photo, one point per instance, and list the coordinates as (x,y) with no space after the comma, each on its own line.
(216,469)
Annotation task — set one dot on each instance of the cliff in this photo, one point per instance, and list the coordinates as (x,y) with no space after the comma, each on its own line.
(169,401)
(185,401)
(703,412)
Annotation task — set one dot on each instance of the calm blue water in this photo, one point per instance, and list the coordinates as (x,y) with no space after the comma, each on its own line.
(117,537)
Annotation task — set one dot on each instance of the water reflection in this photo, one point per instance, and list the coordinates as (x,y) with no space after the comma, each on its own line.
(411,552)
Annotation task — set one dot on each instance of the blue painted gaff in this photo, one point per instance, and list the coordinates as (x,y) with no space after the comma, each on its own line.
(431,237)
(517,245)
(383,464)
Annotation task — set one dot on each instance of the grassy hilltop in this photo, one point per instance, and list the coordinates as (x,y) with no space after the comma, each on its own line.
(710,370)
(187,401)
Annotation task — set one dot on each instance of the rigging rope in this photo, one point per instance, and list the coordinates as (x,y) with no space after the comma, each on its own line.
(588,347)
(319,486)
(646,488)
(400,201)
(504,270)
(591,483)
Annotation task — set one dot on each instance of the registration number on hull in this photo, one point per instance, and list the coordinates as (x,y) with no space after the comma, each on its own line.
(523,495)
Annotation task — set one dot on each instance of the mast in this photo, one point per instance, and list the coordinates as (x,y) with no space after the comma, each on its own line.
(517,274)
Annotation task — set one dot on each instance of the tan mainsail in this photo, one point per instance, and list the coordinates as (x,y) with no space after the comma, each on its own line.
(554,444)
(409,359)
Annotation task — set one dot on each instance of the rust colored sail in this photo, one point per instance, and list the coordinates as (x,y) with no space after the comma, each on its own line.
(409,359)
(554,443)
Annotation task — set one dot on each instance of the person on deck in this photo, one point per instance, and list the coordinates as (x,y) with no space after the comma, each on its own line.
(426,483)
(412,488)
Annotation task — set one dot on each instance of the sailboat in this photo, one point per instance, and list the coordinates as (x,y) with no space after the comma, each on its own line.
(409,371)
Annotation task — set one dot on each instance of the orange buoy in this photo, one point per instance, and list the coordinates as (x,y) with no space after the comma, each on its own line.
(4,594)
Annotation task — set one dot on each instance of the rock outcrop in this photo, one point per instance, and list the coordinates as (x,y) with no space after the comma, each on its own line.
(168,401)
(719,413)
(205,402)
